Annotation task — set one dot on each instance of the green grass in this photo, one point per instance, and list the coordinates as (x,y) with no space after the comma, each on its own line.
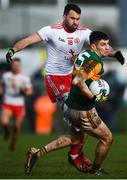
(55,165)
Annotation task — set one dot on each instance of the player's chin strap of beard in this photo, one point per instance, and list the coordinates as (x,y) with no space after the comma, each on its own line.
(61,100)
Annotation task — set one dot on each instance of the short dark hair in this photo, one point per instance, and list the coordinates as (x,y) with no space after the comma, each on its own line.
(73,7)
(97,36)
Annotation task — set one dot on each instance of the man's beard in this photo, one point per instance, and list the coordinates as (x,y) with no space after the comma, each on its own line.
(70,28)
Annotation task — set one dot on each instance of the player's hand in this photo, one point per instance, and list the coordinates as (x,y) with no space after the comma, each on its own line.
(101,98)
(118,55)
(9,55)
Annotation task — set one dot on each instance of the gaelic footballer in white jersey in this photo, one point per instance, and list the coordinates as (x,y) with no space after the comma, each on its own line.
(61,47)
(14,84)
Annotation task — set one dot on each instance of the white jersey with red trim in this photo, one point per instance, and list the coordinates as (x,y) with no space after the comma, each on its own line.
(61,45)
(13,84)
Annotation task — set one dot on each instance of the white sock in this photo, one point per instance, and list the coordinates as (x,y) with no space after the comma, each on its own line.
(74,156)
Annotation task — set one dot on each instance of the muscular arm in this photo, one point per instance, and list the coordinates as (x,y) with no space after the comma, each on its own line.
(34,38)
(87,73)
(117,54)
(79,81)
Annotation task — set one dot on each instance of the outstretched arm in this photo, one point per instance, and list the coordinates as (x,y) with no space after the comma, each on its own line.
(116,54)
(34,38)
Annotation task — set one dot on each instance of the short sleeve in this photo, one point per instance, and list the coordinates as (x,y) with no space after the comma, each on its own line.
(87,35)
(44,33)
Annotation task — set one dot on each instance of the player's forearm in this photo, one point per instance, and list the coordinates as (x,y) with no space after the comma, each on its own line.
(85,90)
(112,52)
(80,83)
(20,45)
(34,38)
(117,54)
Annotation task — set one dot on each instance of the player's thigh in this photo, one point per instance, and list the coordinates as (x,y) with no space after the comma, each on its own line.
(83,120)
(6,114)
(98,128)
(19,113)
(102,132)
(90,123)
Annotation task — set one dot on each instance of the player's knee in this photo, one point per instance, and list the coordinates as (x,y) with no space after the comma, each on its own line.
(77,138)
(109,139)
(17,126)
(4,122)
(76,141)
(64,140)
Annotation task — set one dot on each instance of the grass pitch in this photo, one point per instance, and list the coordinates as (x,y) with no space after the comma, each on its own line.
(55,165)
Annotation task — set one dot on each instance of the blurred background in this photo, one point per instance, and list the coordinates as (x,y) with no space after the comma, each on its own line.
(23,17)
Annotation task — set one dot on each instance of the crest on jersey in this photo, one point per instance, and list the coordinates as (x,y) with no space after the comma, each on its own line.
(62,87)
(76,40)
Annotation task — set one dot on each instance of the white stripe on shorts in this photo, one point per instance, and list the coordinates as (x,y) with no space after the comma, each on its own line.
(53,86)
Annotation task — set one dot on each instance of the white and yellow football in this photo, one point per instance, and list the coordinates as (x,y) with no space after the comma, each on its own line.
(99,86)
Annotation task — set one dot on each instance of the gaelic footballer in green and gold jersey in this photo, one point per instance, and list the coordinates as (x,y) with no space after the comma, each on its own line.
(89,65)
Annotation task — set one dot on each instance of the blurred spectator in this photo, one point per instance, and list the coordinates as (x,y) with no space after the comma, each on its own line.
(14,87)
(38,88)
(44,110)
(4,67)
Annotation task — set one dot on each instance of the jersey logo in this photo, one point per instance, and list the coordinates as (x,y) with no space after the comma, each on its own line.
(60,39)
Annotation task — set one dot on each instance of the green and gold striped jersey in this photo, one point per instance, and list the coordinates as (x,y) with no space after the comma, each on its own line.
(92,64)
